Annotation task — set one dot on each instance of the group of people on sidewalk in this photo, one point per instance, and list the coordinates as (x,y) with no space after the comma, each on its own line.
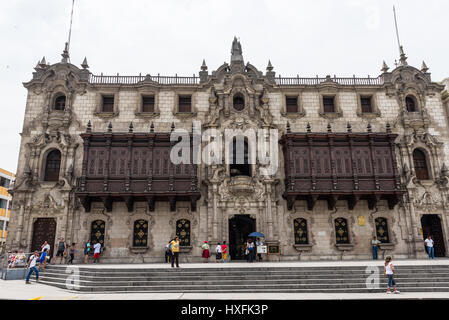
(221,252)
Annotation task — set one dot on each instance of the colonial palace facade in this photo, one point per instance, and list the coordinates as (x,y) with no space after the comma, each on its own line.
(357,158)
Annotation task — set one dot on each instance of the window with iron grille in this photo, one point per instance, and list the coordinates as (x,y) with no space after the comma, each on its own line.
(291,104)
(300,229)
(382,230)
(185,104)
(420,163)
(366,103)
(140,238)
(52,165)
(108,104)
(148,104)
(183,232)
(60,103)
(341,231)
(329,104)
(97,231)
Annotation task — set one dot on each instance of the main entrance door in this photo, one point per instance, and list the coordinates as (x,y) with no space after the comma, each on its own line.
(44,229)
(431,225)
(240,226)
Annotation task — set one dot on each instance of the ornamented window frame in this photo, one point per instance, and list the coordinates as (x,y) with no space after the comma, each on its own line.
(182,242)
(429,166)
(192,112)
(375,111)
(344,242)
(44,165)
(338,113)
(300,106)
(99,103)
(57,96)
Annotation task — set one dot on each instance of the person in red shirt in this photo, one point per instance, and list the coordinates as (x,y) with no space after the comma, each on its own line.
(224,251)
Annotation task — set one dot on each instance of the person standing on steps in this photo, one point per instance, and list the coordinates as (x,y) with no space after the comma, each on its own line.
(167,251)
(32,266)
(251,250)
(97,251)
(224,251)
(174,247)
(429,244)
(375,244)
(218,253)
(43,259)
(87,249)
(72,251)
(206,251)
(389,273)
(61,250)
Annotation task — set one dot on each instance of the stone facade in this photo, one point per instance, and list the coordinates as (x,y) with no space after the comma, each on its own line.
(223,197)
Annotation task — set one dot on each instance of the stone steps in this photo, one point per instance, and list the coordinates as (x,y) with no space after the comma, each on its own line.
(428,278)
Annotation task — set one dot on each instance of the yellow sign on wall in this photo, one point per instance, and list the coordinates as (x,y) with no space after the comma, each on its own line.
(361,220)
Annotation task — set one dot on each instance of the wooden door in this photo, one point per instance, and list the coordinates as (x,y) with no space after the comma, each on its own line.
(44,229)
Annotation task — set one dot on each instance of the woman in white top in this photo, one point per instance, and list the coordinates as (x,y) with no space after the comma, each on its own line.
(389,272)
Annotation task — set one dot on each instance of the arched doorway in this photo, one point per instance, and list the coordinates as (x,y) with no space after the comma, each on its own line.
(240,226)
(44,229)
(431,225)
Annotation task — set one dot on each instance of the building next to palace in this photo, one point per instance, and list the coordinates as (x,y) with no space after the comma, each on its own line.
(357,158)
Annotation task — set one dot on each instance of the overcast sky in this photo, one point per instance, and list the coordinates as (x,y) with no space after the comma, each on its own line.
(308,38)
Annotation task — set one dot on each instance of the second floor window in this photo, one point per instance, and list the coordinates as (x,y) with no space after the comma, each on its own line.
(185,104)
(410,104)
(328,104)
(60,103)
(148,104)
(52,166)
(366,104)
(291,104)
(108,104)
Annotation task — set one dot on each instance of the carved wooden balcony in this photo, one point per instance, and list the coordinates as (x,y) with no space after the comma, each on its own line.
(341,166)
(130,167)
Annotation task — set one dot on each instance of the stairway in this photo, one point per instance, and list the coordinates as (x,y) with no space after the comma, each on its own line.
(339,279)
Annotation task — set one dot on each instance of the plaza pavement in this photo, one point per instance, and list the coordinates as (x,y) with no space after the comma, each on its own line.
(18,290)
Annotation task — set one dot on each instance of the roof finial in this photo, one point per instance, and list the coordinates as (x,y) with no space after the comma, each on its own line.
(110,127)
(424,67)
(65,53)
(236,51)
(349,127)
(288,127)
(203,66)
(172,127)
(152,127)
(403,57)
(329,128)
(130,130)
(309,128)
(388,127)
(369,128)
(269,67)
(89,127)
(84,64)
(384,67)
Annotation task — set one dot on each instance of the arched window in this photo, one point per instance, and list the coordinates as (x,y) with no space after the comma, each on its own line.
(300,229)
(238,102)
(183,231)
(140,238)
(341,231)
(97,229)
(382,230)
(60,103)
(420,163)
(240,158)
(410,104)
(52,165)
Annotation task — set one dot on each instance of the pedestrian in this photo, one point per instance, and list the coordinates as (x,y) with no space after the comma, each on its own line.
(87,248)
(97,250)
(375,244)
(43,259)
(61,250)
(167,251)
(206,252)
(72,251)
(389,273)
(224,251)
(218,253)
(250,249)
(32,266)
(430,249)
(46,245)
(259,243)
(174,247)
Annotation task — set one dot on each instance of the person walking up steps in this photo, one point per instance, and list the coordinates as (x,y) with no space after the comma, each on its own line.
(174,246)
(389,273)
(32,265)
(430,249)
(43,259)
